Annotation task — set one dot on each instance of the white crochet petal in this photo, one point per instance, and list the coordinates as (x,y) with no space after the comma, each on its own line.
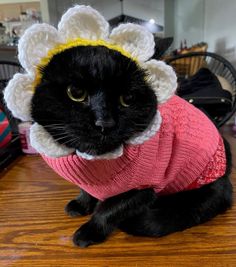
(135,39)
(84,22)
(35,43)
(43,142)
(152,129)
(162,78)
(18,95)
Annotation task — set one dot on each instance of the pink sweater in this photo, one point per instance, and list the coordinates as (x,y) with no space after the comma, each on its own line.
(186,153)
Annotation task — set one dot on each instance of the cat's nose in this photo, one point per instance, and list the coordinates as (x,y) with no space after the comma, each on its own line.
(104,124)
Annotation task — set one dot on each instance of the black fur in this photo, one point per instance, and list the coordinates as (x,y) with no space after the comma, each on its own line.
(142,212)
(106,75)
(185,209)
(100,124)
(84,204)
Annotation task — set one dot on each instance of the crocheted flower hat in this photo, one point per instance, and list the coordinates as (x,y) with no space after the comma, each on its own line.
(82,26)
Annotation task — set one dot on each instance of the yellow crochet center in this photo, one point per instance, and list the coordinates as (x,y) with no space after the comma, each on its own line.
(74,43)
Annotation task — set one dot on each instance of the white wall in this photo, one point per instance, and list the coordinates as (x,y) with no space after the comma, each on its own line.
(189,21)
(137,8)
(212,21)
(108,8)
(44,11)
(111,8)
(220,28)
(145,9)
(169,18)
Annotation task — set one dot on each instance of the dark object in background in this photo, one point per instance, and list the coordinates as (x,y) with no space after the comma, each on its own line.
(204,91)
(161,46)
(122,18)
(187,65)
(152,27)
(13,149)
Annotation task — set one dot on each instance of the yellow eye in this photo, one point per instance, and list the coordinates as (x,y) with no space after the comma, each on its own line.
(77,95)
(125,101)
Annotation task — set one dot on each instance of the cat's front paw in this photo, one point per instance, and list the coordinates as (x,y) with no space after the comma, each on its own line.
(88,234)
(76,208)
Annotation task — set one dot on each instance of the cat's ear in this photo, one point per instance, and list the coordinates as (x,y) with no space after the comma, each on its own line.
(162,79)
(18,95)
(35,44)
(135,39)
(43,142)
(84,22)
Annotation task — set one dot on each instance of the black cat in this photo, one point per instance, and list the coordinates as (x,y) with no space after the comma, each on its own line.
(93,99)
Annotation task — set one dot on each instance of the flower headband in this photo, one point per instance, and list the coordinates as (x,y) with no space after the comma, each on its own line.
(80,26)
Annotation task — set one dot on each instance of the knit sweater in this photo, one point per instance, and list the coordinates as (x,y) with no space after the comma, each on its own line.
(186,153)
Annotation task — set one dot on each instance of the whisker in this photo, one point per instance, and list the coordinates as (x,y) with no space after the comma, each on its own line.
(54,124)
(63,137)
(59,126)
(56,129)
(140,124)
(52,120)
(58,134)
(48,122)
(70,141)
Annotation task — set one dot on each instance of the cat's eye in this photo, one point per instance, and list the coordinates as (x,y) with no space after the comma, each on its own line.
(126,100)
(76,94)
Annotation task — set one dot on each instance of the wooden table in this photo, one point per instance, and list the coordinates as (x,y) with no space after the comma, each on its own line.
(34,231)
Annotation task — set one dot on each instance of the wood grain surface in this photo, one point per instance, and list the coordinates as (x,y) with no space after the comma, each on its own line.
(34,230)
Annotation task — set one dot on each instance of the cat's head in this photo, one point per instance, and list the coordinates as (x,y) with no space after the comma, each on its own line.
(93,99)
(84,90)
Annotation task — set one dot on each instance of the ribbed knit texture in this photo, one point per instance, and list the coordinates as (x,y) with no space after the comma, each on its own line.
(186,149)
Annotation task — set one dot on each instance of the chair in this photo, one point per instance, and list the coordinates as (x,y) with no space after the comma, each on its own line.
(7,70)
(186,65)
(13,149)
